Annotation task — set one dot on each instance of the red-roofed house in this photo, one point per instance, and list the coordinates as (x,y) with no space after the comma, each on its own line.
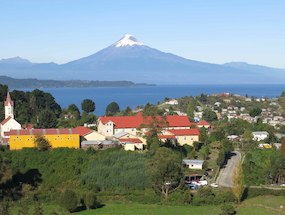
(204,124)
(110,125)
(89,134)
(186,136)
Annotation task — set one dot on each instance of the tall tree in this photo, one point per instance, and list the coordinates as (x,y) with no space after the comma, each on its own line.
(238,182)
(112,109)
(165,171)
(88,105)
(209,115)
(46,119)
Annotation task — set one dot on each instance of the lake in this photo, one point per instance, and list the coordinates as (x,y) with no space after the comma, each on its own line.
(134,96)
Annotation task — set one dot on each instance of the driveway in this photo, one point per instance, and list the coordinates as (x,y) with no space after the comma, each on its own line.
(225,177)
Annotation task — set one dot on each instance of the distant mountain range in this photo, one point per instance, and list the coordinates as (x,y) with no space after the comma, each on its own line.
(129,59)
(35,83)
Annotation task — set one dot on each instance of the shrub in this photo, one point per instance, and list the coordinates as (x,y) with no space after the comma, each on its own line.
(68,200)
(227,209)
(90,200)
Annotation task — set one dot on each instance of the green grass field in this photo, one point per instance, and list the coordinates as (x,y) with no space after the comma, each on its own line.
(262,205)
(139,209)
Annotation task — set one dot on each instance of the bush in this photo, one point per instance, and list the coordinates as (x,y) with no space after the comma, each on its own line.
(90,200)
(254,192)
(68,200)
(227,209)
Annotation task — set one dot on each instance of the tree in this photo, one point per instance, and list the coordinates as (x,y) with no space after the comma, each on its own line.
(112,109)
(255,112)
(238,182)
(88,105)
(165,171)
(209,115)
(46,119)
(42,143)
(90,200)
(73,109)
(68,200)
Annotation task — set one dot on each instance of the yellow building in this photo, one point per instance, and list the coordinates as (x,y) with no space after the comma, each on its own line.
(69,138)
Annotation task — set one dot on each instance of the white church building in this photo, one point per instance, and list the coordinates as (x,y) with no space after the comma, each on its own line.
(9,123)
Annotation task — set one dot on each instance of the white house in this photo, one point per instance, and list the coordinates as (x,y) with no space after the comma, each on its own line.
(9,123)
(193,164)
(260,135)
(171,102)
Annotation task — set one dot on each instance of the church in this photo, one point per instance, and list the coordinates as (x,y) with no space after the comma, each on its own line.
(9,123)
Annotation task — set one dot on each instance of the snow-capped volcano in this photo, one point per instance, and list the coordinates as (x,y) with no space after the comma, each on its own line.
(129,59)
(128,40)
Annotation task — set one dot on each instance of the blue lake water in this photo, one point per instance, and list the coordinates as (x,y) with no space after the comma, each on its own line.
(134,96)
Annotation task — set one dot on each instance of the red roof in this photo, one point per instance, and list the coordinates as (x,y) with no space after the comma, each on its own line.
(44,131)
(185,132)
(6,120)
(138,120)
(130,140)
(8,100)
(166,136)
(204,122)
(83,130)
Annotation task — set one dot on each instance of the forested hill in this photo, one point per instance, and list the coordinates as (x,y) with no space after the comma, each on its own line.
(35,83)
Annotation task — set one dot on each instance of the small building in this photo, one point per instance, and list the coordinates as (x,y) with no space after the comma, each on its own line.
(193,164)
(89,134)
(171,102)
(63,137)
(95,144)
(260,135)
(132,144)
(233,137)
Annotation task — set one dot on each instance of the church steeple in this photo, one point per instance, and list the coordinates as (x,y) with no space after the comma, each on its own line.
(9,106)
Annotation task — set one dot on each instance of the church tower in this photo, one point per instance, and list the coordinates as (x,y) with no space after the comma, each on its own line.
(9,107)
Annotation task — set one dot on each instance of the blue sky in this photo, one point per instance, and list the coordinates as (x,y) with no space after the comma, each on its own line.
(215,31)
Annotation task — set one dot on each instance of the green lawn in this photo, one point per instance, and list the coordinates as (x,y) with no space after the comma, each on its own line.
(262,205)
(139,209)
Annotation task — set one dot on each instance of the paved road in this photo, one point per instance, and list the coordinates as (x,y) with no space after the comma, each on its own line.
(225,177)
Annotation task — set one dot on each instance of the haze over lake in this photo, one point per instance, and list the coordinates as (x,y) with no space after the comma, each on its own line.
(134,96)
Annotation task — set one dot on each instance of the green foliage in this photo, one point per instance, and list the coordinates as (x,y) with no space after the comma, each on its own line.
(209,115)
(5,169)
(68,200)
(152,110)
(256,111)
(29,105)
(227,209)
(117,171)
(112,109)
(42,143)
(251,192)
(165,171)
(46,119)
(257,166)
(90,200)
(88,105)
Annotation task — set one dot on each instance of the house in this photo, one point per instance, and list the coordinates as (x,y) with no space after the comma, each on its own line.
(233,137)
(260,135)
(9,123)
(110,125)
(132,144)
(63,137)
(171,102)
(89,134)
(185,136)
(193,164)
(203,124)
